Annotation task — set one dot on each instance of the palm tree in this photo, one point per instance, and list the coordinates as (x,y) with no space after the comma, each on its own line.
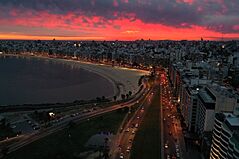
(130,93)
(122,96)
(127,96)
(106,155)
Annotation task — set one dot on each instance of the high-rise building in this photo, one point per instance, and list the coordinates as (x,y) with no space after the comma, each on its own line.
(225,142)
(189,106)
(206,111)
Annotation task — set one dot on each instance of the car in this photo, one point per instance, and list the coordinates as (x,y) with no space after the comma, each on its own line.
(136,125)
(33,125)
(128,149)
(13,126)
(130,140)
(121,155)
(173,157)
(127,130)
(138,117)
(170,133)
(133,131)
(178,154)
(36,128)
(168,156)
(166,145)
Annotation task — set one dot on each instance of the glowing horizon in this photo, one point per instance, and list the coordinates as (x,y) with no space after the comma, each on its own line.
(120,20)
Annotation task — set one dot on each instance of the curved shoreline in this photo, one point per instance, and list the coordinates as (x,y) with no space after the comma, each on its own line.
(120,86)
(105,76)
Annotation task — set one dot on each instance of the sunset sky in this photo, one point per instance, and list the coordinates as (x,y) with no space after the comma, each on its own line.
(119,19)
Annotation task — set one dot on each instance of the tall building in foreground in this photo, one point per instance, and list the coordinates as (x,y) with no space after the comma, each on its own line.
(225,142)
(206,111)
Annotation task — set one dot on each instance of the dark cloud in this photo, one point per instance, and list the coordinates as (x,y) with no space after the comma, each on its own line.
(218,15)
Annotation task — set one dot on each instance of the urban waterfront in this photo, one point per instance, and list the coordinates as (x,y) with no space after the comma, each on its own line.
(37,81)
(119,79)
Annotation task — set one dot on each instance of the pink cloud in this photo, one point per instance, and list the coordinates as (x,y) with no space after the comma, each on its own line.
(125,1)
(115,3)
(100,27)
(236,27)
(185,1)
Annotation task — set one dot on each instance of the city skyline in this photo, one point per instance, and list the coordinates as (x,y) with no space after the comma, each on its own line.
(120,20)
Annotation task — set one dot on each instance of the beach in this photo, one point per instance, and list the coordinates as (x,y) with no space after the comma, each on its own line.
(123,79)
(108,81)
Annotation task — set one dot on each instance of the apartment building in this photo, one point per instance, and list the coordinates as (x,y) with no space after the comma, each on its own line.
(225,142)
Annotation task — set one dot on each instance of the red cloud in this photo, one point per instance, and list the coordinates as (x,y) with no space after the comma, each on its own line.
(96,27)
(186,1)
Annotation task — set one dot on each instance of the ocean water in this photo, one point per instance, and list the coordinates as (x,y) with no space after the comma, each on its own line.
(34,80)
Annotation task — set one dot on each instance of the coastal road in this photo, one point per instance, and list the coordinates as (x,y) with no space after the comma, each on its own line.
(126,137)
(80,118)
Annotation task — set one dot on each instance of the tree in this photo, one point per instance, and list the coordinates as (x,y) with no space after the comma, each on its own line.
(46,116)
(50,52)
(130,93)
(106,150)
(98,99)
(103,97)
(127,96)
(140,80)
(3,122)
(123,96)
(126,109)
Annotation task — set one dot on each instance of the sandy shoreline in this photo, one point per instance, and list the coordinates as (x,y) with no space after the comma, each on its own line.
(123,80)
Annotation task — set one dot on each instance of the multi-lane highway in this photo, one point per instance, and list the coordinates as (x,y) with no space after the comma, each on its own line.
(172,140)
(172,132)
(127,134)
(125,138)
(27,139)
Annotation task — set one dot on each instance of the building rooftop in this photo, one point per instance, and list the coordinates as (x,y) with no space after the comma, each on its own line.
(225,91)
(233,121)
(206,97)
